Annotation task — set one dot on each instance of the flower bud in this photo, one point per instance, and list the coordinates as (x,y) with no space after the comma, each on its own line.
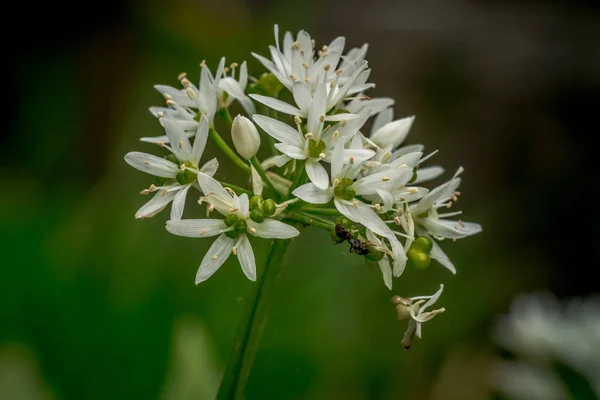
(245,137)
(393,132)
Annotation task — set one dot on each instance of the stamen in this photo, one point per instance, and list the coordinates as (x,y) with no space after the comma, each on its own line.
(234,250)
(331,85)
(191,94)
(160,114)
(397,220)
(324,47)
(305,65)
(186,83)
(161,144)
(387,155)
(211,207)
(181,144)
(355,203)
(226,69)
(171,103)
(229,190)
(457,193)
(336,182)
(449,204)
(233,209)
(203,64)
(234,65)
(385,178)
(339,72)
(312,41)
(461,223)
(336,134)
(202,232)
(344,122)
(412,190)
(322,118)
(182,166)
(164,192)
(152,188)
(377,206)
(181,76)
(146,162)
(214,257)
(295,45)
(293,77)
(145,191)
(252,230)
(297,120)
(403,166)
(321,155)
(307,79)
(351,159)
(327,67)
(309,135)
(167,96)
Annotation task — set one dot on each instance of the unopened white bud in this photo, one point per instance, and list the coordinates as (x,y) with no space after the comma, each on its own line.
(245,137)
(393,132)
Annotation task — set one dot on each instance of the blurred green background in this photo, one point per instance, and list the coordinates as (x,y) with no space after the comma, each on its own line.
(97,305)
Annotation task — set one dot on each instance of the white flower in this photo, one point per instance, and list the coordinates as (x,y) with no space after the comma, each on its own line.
(245,137)
(417,311)
(397,254)
(296,63)
(315,146)
(181,176)
(391,132)
(343,190)
(232,238)
(235,89)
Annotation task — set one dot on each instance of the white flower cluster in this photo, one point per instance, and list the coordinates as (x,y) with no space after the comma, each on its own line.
(325,169)
(543,333)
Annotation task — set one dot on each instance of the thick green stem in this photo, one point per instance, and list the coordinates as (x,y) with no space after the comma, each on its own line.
(309,219)
(253,324)
(214,135)
(320,211)
(256,164)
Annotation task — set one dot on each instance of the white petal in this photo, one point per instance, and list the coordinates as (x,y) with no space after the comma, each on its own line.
(341,117)
(232,87)
(152,165)
(196,228)
(179,96)
(410,159)
(317,108)
(386,271)
(209,185)
(273,69)
(386,198)
(210,167)
(246,257)
(243,205)
(179,203)
(432,299)
(278,105)
(359,155)
(386,180)
(275,161)
(363,214)
(291,151)
(272,229)
(438,254)
(427,174)
(317,174)
(302,96)
(200,139)
(180,144)
(243,78)
(449,229)
(257,182)
(215,257)
(155,205)
(411,148)
(393,132)
(400,257)
(337,159)
(279,130)
(312,194)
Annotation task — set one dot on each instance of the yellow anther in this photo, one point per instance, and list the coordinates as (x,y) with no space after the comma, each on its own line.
(385,178)
(181,76)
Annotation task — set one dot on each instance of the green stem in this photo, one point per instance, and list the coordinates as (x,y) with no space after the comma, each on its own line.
(224,112)
(214,135)
(246,343)
(298,175)
(256,164)
(309,219)
(238,190)
(320,211)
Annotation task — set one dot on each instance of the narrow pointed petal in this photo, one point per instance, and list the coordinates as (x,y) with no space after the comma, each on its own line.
(427,174)
(386,271)
(312,194)
(200,139)
(243,205)
(215,257)
(393,132)
(272,229)
(438,254)
(317,108)
(179,203)
(152,165)
(278,105)
(279,130)
(245,256)
(210,167)
(209,185)
(155,205)
(386,180)
(337,159)
(317,174)
(302,96)
(180,144)
(341,117)
(363,214)
(449,229)
(400,257)
(196,228)
(384,117)
(359,155)
(432,299)
(268,64)
(291,151)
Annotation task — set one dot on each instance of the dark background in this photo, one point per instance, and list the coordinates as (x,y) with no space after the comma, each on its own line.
(96,305)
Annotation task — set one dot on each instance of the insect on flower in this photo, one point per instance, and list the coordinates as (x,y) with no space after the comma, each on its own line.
(356,245)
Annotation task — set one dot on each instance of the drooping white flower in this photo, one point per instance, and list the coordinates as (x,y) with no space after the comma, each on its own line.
(384,263)
(415,308)
(179,176)
(232,230)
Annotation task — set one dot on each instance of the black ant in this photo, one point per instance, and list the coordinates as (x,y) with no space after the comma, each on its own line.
(356,245)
